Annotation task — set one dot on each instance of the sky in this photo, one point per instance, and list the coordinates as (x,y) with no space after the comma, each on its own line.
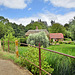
(23,11)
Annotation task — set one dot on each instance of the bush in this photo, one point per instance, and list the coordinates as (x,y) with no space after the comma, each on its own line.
(35,39)
(51,40)
(23,40)
(32,54)
(60,42)
(73,43)
(9,37)
(67,39)
(55,42)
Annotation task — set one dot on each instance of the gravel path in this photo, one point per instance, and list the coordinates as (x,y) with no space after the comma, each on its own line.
(8,68)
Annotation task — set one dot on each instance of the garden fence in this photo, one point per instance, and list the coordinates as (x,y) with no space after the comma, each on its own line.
(39,48)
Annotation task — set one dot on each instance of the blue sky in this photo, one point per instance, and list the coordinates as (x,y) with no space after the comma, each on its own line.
(23,11)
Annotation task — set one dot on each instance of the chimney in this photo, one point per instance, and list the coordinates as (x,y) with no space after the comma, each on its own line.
(36,27)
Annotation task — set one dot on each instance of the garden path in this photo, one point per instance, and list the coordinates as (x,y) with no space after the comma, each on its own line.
(8,68)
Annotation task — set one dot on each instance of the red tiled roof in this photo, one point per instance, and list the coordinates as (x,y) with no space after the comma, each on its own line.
(56,35)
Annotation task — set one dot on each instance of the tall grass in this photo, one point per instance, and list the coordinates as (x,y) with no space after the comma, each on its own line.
(62,65)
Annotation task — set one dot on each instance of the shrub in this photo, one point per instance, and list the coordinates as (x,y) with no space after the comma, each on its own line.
(55,42)
(32,54)
(72,43)
(51,40)
(9,37)
(60,42)
(67,39)
(35,39)
(23,40)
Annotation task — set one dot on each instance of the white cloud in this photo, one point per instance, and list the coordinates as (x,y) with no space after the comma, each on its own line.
(23,21)
(16,4)
(62,19)
(63,3)
(29,9)
(65,18)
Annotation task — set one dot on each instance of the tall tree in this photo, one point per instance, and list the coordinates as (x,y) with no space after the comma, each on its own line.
(32,26)
(57,28)
(72,28)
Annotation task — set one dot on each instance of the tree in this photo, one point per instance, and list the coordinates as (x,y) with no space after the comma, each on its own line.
(35,39)
(9,37)
(32,26)
(57,28)
(72,29)
(2,30)
(66,26)
(17,30)
(52,22)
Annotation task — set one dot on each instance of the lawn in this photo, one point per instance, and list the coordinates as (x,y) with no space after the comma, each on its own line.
(64,48)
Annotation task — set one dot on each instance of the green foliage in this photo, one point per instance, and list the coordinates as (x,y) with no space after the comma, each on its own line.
(73,43)
(51,40)
(19,30)
(2,30)
(55,42)
(66,26)
(11,38)
(62,65)
(67,34)
(35,39)
(72,29)
(67,39)
(23,40)
(33,26)
(60,42)
(57,28)
(32,54)
(7,27)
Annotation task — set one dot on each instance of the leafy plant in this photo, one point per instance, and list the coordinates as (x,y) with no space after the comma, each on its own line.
(32,54)
(11,39)
(35,39)
(67,39)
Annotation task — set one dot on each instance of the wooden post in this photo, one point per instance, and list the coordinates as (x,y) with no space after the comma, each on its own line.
(0,44)
(39,60)
(8,45)
(16,44)
(3,45)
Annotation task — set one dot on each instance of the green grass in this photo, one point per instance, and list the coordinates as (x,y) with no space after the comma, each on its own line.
(22,50)
(64,48)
